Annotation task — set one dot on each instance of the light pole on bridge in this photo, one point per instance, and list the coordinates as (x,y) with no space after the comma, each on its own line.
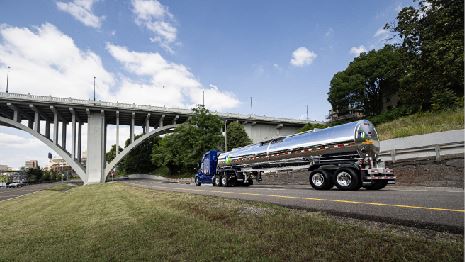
(94,88)
(7,71)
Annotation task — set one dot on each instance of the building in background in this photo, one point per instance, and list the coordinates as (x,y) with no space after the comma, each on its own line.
(4,168)
(31,164)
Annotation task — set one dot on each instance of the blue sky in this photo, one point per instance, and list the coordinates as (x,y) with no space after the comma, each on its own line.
(281,53)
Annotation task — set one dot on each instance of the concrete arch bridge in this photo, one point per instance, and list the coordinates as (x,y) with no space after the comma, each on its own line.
(49,118)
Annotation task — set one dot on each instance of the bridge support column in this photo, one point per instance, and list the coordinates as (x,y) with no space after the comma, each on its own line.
(47,129)
(79,142)
(64,126)
(131,130)
(73,135)
(117,133)
(95,148)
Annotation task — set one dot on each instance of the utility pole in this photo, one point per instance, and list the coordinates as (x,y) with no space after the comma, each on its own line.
(7,71)
(307,113)
(203,98)
(251,104)
(94,88)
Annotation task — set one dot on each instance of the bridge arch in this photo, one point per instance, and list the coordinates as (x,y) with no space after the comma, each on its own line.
(78,168)
(138,141)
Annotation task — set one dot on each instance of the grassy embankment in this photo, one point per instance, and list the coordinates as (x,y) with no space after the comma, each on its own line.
(119,222)
(422,123)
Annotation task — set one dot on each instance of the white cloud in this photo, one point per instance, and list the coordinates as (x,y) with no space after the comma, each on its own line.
(15,141)
(277,67)
(382,34)
(329,32)
(358,50)
(167,83)
(302,56)
(82,11)
(156,18)
(44,61)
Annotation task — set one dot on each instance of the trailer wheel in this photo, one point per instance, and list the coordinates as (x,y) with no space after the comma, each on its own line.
(347,179)
(197,182)
(320,180)
(376,185)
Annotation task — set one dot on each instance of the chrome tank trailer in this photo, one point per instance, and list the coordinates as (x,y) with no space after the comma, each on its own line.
(355,140)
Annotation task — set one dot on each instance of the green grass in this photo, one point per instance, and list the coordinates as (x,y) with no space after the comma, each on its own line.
(115,221)
(422,123)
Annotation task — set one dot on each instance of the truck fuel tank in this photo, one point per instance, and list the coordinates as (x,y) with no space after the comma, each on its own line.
(358,139)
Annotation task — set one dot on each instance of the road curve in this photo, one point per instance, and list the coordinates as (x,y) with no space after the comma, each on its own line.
(435,208)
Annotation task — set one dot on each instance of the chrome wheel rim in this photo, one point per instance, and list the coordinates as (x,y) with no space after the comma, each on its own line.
(217,181)
(318,179)
(344,179)
(224,181)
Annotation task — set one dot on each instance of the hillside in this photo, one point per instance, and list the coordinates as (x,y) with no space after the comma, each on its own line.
(422,123)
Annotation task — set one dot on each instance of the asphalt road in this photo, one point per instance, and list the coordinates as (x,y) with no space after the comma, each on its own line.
(424,207)
(10,193)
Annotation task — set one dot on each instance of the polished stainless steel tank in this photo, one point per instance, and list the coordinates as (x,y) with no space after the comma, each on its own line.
(354,140)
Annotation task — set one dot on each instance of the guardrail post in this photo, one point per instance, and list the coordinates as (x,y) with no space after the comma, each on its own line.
(437,149)
(393,155)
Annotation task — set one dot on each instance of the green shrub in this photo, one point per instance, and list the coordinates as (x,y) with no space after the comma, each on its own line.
(444,100)
(311,126)
(389,115)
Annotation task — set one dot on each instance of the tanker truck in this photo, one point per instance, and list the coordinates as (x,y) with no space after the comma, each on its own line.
(345,156)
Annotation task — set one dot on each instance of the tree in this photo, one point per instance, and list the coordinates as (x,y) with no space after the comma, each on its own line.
(112,153)
(236,135)
(367,79)
(34,175)
(183,149)
(311,126)
(139,160)
(432,44)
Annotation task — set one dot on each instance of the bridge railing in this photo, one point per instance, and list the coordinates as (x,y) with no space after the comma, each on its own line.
(92,103)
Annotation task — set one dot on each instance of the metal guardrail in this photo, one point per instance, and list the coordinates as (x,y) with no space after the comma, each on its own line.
(437,149)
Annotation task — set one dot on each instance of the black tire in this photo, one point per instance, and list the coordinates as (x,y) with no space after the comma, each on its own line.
(217,181)
(377,185)
(197,182)
(225,181)
(320,180)
(347,179)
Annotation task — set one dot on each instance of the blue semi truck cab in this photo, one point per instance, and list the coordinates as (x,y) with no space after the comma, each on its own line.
(207,170)
(210,173)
